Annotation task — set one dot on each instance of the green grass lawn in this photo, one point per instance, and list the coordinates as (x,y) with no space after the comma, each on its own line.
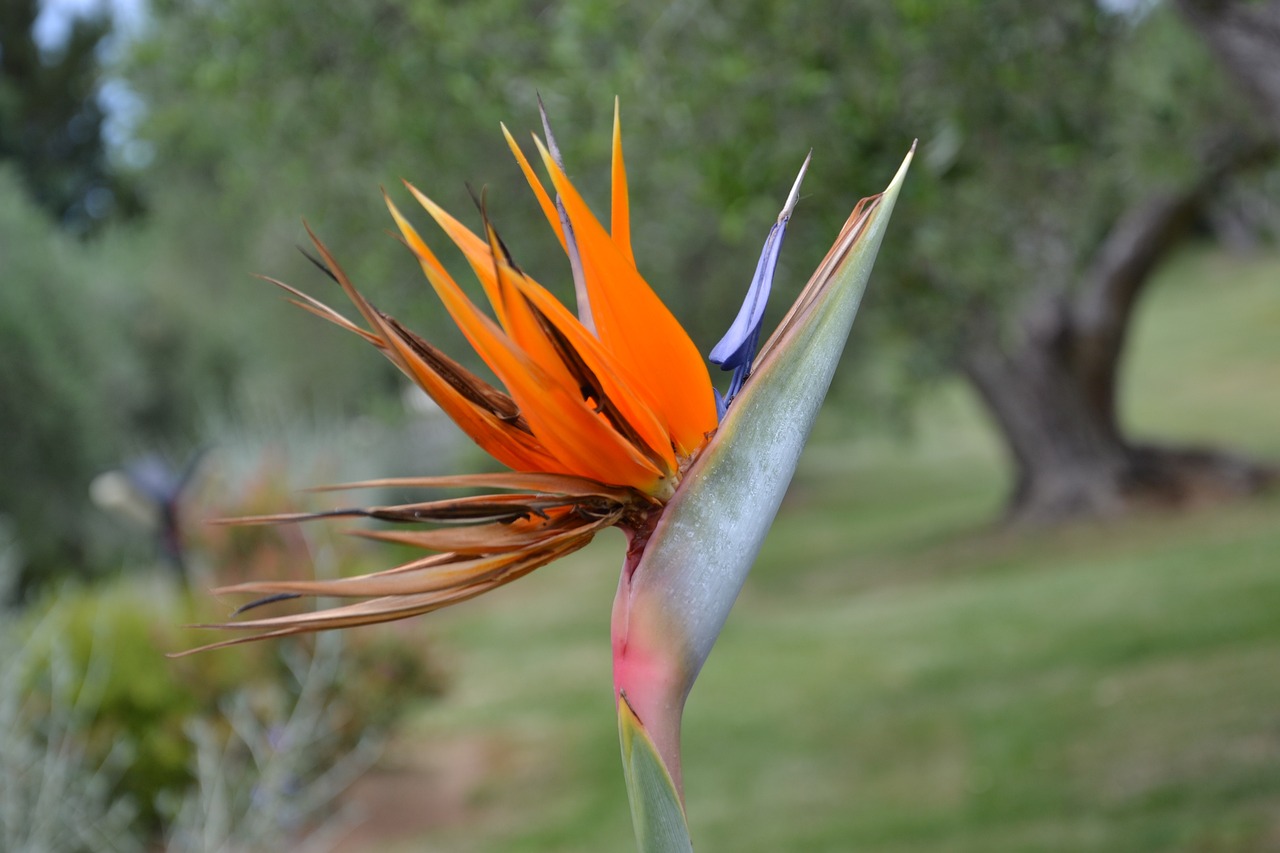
(901,676)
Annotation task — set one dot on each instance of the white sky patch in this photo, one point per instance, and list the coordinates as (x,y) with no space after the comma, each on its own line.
(1135,8)
(57,16)
(123,108)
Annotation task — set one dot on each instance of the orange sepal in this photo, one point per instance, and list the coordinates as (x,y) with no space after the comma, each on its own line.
(512,447)
(620,215)
(615,378)
(638,328)
(544,200)
(581,442)
(494,272)
(474,249)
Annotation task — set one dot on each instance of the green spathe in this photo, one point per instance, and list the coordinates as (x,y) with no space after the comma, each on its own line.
(672,606)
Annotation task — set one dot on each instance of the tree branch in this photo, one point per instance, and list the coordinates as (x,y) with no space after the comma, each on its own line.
(1246,40)
(1123,265)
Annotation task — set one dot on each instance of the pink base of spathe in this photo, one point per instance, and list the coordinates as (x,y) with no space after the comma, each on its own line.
(647,670)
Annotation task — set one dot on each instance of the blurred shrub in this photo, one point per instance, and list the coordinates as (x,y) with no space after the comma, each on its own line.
(385,668)
(243,748)
(266,788)
(53,796)
(114,635)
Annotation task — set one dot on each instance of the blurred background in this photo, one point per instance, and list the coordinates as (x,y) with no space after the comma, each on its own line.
(1023,594)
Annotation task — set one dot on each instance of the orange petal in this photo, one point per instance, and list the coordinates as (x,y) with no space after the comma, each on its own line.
(473,248)
(620,224)
(512,447)
(587,368)
(544,200)
(638,328)
(615,378)
(489,267)
(567,241)
(582,442)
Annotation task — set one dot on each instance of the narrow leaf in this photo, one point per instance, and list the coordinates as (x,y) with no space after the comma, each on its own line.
(656,811)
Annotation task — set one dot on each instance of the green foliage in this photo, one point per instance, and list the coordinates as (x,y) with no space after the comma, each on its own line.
(65,387)
(45,772)
(1037,127)
(115,347)
(102,360)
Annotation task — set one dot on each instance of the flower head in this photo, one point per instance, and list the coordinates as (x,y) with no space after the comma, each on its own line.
(598,416)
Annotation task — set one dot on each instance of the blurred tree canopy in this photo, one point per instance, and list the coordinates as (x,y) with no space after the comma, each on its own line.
(1065,150)
(1046,127)
(64,388)
(1036,123)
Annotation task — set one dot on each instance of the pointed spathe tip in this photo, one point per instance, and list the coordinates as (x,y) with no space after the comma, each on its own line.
(902,170)
(794,196)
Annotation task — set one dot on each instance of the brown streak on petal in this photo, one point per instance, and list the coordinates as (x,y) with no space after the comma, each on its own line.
(590,387)
(471,387)
(363,305)
(287,517)
(476,508)
(471,508)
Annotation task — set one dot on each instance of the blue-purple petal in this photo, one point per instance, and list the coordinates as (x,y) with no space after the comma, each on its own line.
(739,342)
(737,348)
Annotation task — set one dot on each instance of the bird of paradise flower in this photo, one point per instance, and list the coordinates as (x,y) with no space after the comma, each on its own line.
(608,418)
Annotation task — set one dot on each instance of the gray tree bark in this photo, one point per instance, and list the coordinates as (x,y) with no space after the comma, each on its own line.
(1245,38)
(1052,390)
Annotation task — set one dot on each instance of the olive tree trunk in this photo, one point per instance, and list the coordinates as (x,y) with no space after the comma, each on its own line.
(1051,387)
